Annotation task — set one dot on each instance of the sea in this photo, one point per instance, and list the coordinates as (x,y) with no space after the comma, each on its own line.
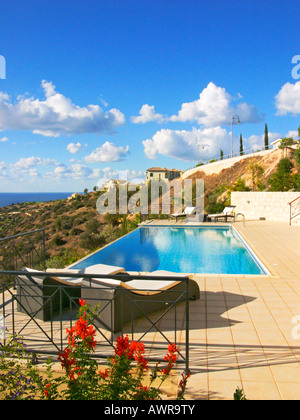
(14,198)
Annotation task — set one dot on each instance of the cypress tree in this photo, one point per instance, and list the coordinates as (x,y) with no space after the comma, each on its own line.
(241,146)
(266,138)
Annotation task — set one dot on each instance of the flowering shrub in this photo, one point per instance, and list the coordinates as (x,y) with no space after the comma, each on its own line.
(123,379)
(19,376)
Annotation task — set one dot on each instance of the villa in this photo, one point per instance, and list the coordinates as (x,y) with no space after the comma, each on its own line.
(276,144)
(158,173)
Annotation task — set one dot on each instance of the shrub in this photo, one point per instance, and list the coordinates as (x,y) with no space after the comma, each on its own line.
(57,241)
(239,395)
(67,257)
(112,219)
(282,180)
(91,241)
(297,157)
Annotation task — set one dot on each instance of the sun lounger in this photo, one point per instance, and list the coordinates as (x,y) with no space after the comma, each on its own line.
(122,302)
(187,211)
(45,296)
(228,213)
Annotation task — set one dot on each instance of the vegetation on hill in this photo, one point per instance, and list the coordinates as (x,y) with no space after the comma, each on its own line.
(73,228)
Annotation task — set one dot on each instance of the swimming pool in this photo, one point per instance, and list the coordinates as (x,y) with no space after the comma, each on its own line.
(211,250)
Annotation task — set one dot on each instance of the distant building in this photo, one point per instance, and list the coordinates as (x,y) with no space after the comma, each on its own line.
(109,184)
(163,174)
(74,196)
(276,143)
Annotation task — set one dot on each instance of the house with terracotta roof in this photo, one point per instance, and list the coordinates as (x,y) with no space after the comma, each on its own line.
(162,174)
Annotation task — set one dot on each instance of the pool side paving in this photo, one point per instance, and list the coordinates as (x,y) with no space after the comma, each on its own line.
(243,331)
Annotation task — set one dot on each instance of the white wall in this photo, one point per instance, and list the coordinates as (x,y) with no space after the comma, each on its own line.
(217,167)
(270,205)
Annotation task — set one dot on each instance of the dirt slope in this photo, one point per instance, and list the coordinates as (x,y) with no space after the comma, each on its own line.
(239,169)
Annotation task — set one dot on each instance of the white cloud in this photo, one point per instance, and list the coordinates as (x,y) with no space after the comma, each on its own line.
(257,142)
(55,115)
(293,134)
(74,148)
(4,139)
(2,165)
(184,145)
(108,152)
(31,162)
(79,171)
(213,108)
(147,114)
(76,171)
(27,166)
(288,99)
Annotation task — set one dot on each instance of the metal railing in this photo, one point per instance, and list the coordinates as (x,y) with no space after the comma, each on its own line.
(41,311)
(236,217)
(229,156)
(294,209)
(23,250)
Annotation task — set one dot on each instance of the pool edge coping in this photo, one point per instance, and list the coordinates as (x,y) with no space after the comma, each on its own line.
(256,258)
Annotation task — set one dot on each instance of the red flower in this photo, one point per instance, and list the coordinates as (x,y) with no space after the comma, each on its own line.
(182,385)
(171,358)
(46,392)
(82,302)
(123,348)
(104,374)
(139,355)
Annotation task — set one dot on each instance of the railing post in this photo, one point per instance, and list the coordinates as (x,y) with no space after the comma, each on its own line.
(187,326)
(44,249)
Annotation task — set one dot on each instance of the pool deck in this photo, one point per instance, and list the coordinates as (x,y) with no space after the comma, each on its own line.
(243,332)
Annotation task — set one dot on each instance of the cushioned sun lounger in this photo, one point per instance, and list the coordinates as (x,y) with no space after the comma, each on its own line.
(122,302)
(228,213)
(187,211)
(45,296)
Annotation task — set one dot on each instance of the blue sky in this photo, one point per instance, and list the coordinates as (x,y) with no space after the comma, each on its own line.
(97,87)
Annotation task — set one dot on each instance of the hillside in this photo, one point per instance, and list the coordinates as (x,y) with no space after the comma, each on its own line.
(239,169)
(73,228)
(217,185)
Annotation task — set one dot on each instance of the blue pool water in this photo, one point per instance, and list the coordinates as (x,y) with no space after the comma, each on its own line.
(181,250)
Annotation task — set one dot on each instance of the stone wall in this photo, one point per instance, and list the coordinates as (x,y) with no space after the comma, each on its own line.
(269,205)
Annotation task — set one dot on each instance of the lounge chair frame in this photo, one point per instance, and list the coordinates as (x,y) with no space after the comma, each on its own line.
(123,305)
(184,214)
(225,216)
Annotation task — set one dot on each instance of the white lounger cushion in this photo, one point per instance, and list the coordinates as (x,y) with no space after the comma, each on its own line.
(93,269)
(64,280)
(102,269)
(143,286)
(187,210)
(226,212)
